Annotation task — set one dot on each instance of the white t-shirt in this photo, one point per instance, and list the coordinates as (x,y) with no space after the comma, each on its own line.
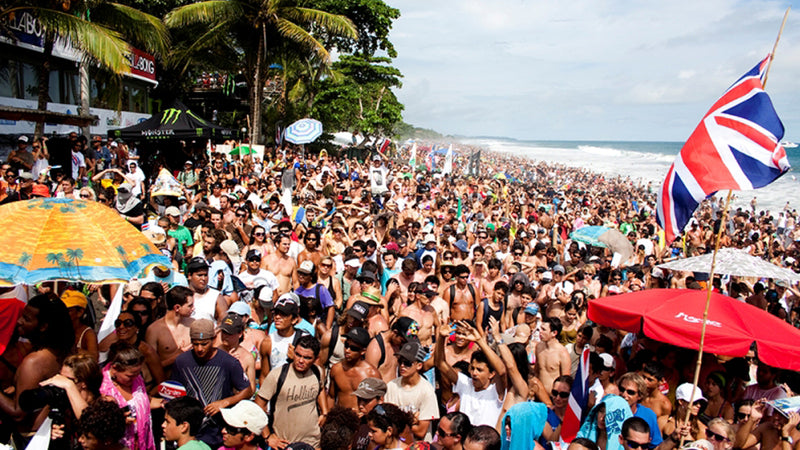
(78,161)
(419,399)
(482,407)
(205,305)
(377,179)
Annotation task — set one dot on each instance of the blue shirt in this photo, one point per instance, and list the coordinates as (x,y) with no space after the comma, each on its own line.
(325,298)
(650,417)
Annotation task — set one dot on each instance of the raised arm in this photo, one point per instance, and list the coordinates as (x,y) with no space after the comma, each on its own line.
(448,373)
(519,384)
(495,363)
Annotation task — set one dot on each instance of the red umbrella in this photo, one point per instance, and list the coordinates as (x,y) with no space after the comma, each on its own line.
(675,316)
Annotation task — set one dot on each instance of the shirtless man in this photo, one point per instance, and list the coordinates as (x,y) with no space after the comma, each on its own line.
(653,374)
(348,373)
(777,432)
(46,324)
(406,275)
(230,332)
(169,335)
(492,277)
(284,267)
(460,349)
(423,313)
(332,342)
(381,349)
(312,252)
(552,358)
(461,298)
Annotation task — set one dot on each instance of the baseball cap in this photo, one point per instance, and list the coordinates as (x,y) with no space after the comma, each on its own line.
(461,245)
(22,138)
(558,268)
(42,191)
(359,311)
(429,238)
(201,329)
(406,327)
(188,163)
(370,388)
(25,176)
(608,361)
(196,265)
(172,211)
(73,299)
(412,351)
(306,266)
(366,276)
(532,309)
(684,392)
(232,323)
(245,414)
(353,262)
(232,250)
(240,308)
(288,303)
(359,336)
(376,158)
(253,255)
(547,275)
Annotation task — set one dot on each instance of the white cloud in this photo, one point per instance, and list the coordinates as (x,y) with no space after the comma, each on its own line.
(585,69)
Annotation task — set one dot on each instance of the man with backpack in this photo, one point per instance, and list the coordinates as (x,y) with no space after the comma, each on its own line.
(296,391)
(274,348)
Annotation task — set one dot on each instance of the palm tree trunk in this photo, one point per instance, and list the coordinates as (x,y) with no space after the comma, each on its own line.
(257,93)
(44,81)
(83,71)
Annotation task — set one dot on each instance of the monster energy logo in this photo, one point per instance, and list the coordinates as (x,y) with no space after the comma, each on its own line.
(171,116)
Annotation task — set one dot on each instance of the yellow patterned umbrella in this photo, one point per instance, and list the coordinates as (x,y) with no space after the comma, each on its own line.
(63,239)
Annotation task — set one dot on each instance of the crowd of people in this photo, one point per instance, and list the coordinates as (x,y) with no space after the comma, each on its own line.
(316,302)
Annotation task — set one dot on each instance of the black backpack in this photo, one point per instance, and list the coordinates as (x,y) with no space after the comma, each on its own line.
(279,386)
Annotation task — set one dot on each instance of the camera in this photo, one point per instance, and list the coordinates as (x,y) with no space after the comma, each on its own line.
(55,397)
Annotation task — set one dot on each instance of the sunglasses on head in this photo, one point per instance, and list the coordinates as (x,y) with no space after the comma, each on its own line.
(634,444)
(127,322)
(562,394)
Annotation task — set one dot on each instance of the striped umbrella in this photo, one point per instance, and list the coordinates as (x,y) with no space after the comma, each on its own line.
(303,131)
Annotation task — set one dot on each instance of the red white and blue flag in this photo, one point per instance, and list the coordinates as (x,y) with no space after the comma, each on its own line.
(735,146)
(578,400)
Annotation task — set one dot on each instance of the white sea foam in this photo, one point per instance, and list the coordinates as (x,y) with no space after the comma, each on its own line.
(641,166)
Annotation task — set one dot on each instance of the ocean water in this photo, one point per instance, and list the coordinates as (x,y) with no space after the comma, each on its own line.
(643,161)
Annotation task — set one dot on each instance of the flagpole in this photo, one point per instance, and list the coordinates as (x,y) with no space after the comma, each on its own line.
(775,47)
(722,225)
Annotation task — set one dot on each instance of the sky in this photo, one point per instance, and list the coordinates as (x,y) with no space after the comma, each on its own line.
(587,69)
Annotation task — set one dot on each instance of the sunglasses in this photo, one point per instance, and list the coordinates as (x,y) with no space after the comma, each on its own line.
(258,234)
(440,432)
(628,391)
(241,215)
(352,347)
(715,436)
(326,265)
(742,416)
(562,394)
(235,430)
(86,196)
(404,362)
(634,444)
(127,322)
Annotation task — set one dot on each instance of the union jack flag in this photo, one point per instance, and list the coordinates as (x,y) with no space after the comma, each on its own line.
(578,400)
(735,146)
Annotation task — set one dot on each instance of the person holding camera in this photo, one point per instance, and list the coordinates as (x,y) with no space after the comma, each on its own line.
(79,382)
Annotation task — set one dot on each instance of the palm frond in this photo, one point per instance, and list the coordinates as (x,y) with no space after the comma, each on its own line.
(103,45)
(334,24)
(208,12)
(296,33)
(142,29)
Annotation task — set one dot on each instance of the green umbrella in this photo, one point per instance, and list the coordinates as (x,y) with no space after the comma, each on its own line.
(244,150)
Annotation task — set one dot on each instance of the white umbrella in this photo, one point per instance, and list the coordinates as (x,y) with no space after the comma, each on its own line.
(303,131)
(735,262)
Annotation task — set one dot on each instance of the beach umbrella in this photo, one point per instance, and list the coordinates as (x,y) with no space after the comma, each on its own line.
(610,238)
(303,131)
(243,150)
(63,239)
(675,316)
(735,262)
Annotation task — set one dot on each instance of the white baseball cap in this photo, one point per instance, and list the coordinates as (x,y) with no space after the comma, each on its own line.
(684,392)
(245,414)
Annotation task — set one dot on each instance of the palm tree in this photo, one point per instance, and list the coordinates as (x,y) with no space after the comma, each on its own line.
(101,39)
(250,23)
(75,255)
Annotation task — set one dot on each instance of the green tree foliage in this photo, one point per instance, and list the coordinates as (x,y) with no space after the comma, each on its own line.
(362,100)
(371,18)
